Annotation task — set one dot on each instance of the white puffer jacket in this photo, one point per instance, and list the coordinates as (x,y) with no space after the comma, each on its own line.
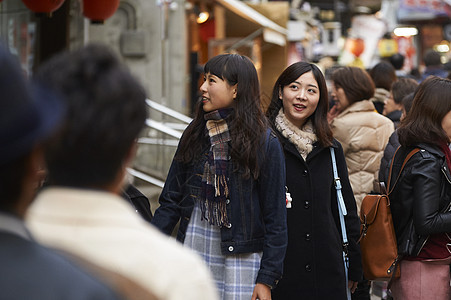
(363,133)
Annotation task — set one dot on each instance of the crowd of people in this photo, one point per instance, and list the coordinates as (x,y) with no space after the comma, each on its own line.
(252,193)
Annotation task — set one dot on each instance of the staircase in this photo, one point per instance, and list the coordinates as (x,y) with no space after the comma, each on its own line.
(156,148)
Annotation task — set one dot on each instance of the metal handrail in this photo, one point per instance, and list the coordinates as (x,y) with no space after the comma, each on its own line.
(167,111)
(157,141)
(163,128)
(145,177)
(174,130)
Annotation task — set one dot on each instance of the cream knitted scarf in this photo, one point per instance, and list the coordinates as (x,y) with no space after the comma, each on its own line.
(303,138)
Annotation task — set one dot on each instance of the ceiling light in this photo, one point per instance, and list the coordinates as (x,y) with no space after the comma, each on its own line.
(443,47)
(405,31)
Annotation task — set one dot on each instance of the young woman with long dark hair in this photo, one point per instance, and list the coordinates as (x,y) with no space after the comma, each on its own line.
(226,184)
(421,200)
(313,266)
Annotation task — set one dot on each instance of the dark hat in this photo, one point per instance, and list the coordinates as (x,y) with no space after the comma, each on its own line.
(28,113)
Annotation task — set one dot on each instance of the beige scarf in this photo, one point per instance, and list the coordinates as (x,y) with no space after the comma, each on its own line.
(303,138)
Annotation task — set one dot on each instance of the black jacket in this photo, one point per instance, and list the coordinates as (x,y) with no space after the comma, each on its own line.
(256,208)
(313,266)
(390,149)
(395,116)
(139,202)
(421,199)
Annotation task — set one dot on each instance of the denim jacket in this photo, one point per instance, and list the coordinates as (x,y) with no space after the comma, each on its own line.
(256,208)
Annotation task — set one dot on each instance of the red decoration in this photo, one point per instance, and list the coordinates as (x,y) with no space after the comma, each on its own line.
(99,10)
(207,30)
(356,46)
(43,6)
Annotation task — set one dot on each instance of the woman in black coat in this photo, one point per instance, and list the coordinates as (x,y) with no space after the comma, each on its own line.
(313,266)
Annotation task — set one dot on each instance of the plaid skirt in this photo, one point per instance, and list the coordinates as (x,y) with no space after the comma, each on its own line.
(234,274)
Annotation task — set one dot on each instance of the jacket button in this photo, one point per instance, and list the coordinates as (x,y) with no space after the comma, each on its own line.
(229,225)
(228,201)
(230,248)
(306,204)
(307,236)
(304,173)
(308,268)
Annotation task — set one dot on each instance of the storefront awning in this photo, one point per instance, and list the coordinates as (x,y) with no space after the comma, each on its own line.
(272,32)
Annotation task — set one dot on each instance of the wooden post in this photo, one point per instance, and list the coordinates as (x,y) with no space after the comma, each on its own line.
(220,27)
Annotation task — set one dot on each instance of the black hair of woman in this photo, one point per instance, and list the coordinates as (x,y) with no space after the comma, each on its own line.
(423,124)
(247,122)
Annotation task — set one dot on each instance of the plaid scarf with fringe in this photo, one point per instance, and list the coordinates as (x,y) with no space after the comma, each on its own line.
(215,190)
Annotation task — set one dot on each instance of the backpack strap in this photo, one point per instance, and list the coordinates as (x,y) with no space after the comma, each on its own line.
(411,153)
(390,189)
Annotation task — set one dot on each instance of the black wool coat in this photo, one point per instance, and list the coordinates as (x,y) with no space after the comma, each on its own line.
(313,266)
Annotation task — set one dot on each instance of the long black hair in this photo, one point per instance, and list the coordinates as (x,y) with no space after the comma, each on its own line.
(423,123)
(319,117)
(247,122)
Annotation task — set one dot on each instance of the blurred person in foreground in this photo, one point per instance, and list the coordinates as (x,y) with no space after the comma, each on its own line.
(28,116)
(81,211)
(421,199)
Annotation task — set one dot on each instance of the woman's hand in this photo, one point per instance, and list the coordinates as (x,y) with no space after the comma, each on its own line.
(261,292)
(352,285)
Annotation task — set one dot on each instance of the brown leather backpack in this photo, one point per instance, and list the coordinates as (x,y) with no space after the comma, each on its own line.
(377,235)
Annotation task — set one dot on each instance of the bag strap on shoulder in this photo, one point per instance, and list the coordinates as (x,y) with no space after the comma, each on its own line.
(389,187)
(342,211)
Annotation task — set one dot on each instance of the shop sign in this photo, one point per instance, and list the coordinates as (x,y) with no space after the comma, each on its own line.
(410,10)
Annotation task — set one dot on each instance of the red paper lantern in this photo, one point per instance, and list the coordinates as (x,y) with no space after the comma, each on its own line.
(99,10)
(43,6)
(207,30)
(355,46)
